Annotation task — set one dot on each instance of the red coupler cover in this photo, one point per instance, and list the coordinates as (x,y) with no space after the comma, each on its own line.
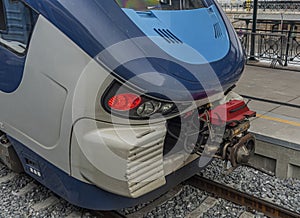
(234,110)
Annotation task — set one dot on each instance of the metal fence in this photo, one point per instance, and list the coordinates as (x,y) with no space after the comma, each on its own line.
(291,6)
(277,48)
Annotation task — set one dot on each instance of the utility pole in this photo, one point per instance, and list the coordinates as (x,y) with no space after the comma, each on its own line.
(254,21)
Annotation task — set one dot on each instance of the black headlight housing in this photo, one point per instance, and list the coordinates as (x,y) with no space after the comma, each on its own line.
(122,101)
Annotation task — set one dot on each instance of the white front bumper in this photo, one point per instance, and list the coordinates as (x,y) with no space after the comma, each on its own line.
(122,159)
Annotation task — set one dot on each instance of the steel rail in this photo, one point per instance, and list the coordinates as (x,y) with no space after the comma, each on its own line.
(241,198)
(271,101)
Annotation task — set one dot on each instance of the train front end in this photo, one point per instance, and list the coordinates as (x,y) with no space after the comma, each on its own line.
(118,101)
(165,106)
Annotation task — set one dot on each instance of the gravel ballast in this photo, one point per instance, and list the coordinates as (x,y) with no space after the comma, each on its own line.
(284,192)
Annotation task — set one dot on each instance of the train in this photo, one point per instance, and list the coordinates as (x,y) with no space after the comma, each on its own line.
(111,103)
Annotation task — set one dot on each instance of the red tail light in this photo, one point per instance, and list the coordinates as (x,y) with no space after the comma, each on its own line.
(124,102)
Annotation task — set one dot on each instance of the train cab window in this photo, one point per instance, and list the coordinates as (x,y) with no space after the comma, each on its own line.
(16,25)
(146,5)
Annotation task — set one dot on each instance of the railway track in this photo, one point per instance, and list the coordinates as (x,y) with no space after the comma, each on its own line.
(237,197)
(215,190)
(21,196)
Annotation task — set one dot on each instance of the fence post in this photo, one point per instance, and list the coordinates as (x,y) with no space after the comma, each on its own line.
(288,45)
(252,51)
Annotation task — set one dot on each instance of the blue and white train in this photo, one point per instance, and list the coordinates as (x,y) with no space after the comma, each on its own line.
(110,103)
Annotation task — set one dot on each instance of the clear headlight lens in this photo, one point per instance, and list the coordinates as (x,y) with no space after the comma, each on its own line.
(165,108)
(151,107)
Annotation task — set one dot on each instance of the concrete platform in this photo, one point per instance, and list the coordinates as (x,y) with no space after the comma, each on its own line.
(277,126)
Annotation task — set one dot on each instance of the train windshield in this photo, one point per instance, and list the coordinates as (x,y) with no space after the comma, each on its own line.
(146,5)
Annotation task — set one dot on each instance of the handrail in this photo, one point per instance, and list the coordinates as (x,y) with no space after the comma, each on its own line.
(282,48)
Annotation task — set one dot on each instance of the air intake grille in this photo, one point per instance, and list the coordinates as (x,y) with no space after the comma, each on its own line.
(145,167)
(218,31)
(168,36)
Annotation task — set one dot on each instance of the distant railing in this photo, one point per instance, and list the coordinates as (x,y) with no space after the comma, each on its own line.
(281,47)
(265,5)
(233,7)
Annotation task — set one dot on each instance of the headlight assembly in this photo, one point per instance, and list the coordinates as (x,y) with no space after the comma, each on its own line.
(121,101)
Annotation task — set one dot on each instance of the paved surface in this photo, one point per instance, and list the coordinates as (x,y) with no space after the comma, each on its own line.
(276,121)
(277,127)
